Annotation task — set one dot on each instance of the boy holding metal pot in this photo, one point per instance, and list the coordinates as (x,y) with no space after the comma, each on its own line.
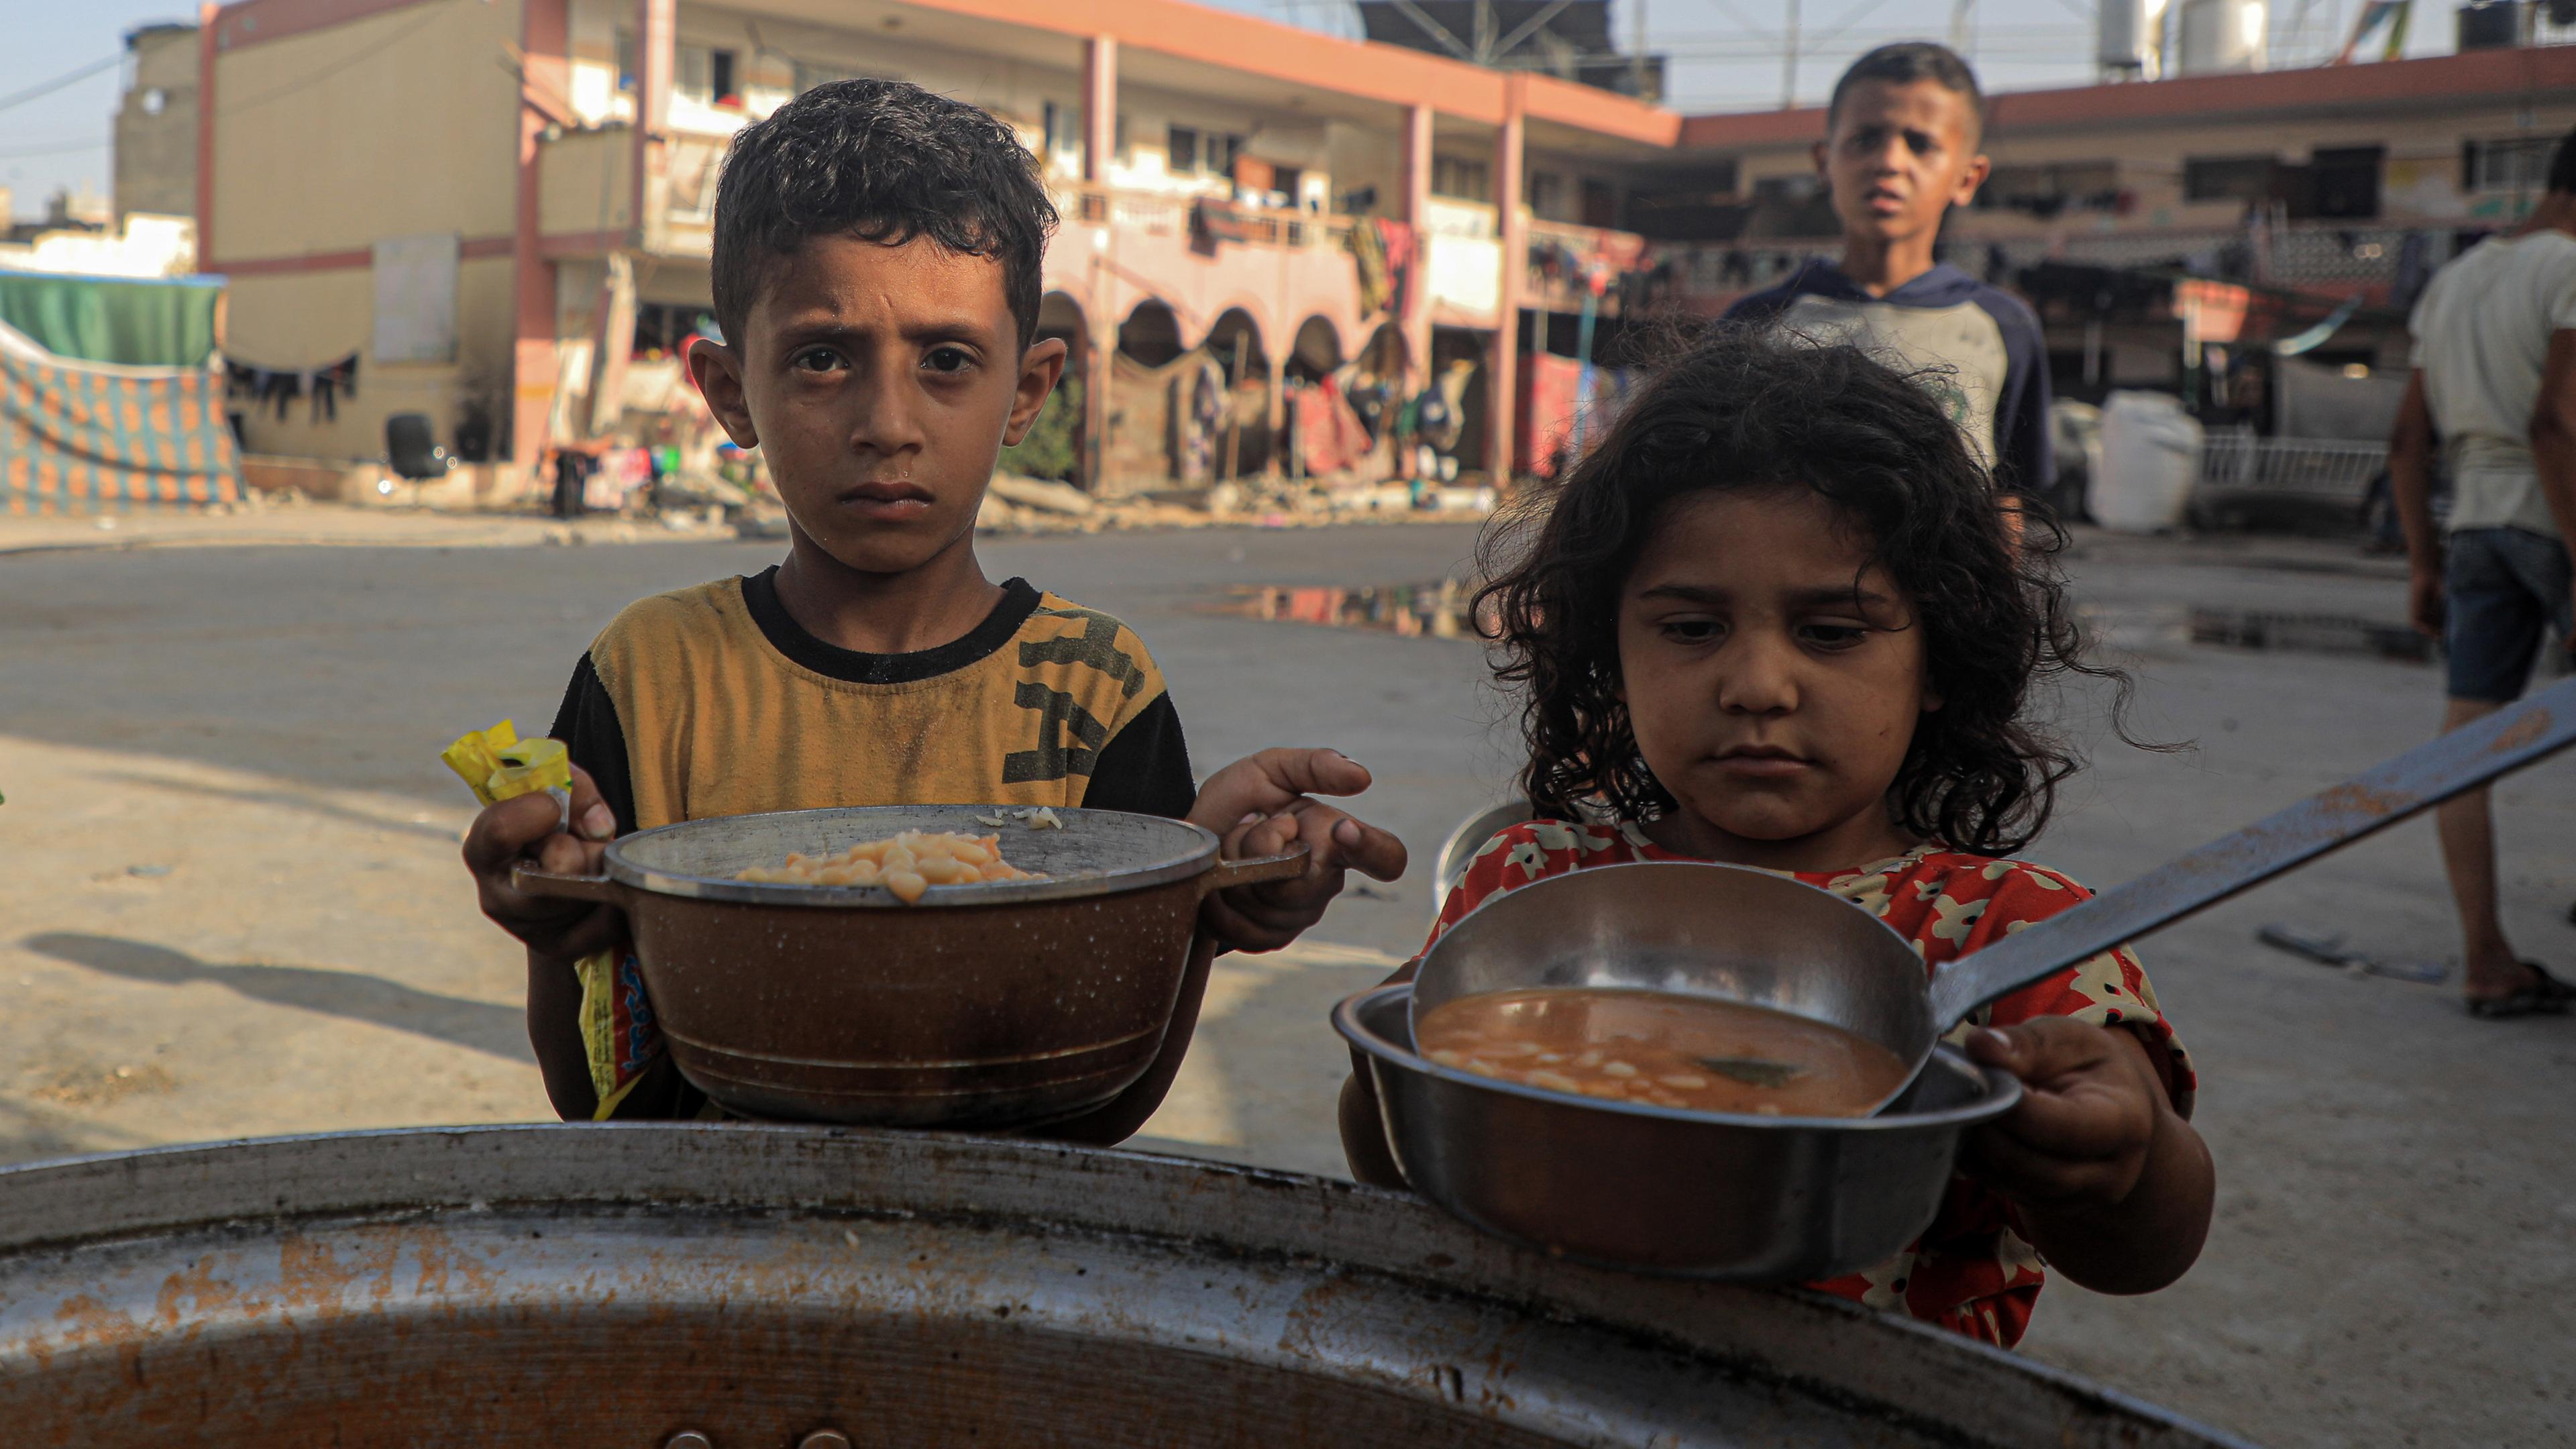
(876,272)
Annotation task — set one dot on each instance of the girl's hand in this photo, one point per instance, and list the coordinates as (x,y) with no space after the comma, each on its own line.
(2112,1186)
(2087,1118)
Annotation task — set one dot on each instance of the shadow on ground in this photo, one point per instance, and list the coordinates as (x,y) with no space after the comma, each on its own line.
(498,1030)
(29,1135)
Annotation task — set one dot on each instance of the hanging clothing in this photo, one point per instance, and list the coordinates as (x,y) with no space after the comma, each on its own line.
(277,388)
(1368,258)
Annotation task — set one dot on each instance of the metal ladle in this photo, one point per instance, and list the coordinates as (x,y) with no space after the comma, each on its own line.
(1754,937)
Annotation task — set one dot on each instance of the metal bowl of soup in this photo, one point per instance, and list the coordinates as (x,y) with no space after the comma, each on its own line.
(1737,1196)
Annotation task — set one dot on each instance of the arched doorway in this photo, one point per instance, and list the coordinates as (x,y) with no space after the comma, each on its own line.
(1240,442)
(1317,350)
(1151,334)
(1140,413)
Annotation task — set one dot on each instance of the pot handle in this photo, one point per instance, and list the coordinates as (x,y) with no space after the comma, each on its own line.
(1254,871)
(597,889)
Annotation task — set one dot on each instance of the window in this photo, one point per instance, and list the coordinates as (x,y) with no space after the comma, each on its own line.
(2046,190)
(1063,129)
(810,74)
(1544,191)
(2232,178)
(1461,180)
(1288,181)
(662,328)
(1223,151)
(2519,163)
(705,75)
(2344,183)
(1600,204)
(1182,146)
(627,64)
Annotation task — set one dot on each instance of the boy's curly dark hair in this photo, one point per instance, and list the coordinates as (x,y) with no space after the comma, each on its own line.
(1739,410)
(884,161)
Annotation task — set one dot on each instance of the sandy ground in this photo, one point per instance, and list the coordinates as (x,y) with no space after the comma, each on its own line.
(230,905)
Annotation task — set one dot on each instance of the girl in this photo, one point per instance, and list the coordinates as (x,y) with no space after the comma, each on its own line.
(1775,621)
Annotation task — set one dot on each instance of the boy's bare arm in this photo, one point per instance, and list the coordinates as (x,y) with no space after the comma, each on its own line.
(556,933)
(554,1030)
(2410,490)
(2553,434)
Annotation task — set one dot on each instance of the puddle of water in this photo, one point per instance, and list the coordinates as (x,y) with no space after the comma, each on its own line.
(1442,609)
(2308,634)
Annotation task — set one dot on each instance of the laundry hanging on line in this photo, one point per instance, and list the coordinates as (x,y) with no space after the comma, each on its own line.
(278,387)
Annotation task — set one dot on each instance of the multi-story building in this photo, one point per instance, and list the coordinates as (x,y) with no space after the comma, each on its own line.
(465,193)
(156,125)
(502,207)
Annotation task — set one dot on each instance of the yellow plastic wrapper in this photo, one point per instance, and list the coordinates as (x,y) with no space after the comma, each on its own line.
(497,765)
(529,765)
(476,754)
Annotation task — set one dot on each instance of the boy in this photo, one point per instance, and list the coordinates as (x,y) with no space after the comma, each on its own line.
(1900,149)
(876,274)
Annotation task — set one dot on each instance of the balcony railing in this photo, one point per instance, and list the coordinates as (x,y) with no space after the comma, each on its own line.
(2332,259)
(1165,214)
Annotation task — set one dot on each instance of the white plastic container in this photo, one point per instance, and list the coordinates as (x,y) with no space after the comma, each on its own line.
(2150,462)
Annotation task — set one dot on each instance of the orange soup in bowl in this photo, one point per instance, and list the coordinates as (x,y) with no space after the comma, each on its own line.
(1661,1049)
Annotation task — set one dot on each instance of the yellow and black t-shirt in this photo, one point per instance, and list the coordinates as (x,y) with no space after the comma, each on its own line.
(714,701)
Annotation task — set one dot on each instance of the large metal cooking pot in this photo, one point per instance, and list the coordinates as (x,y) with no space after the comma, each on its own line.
(618,1287)
(990,1006)
(1709,1194)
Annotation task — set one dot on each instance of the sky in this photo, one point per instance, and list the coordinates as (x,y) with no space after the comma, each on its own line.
(1727,55)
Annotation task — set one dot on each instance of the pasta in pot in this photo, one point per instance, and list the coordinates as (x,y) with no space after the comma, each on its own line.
(907,864)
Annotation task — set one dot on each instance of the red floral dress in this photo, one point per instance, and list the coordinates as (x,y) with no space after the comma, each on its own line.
(1972,1271)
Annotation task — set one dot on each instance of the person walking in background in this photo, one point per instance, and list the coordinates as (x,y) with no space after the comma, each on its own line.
(1901,136)
(2495,380)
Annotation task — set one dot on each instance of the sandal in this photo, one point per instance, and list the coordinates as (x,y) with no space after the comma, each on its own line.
(2545,996)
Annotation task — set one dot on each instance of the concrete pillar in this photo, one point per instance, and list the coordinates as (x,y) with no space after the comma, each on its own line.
(1415,324)
(1100,343)
(544,72)
(1099,146)
(654,59)
(1099,107)
(1502,370)
(206,14)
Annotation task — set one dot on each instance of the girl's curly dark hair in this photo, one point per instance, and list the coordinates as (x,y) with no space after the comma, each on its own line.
(1741,410)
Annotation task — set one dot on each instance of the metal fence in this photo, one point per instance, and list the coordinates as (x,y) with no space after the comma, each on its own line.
(2235,465)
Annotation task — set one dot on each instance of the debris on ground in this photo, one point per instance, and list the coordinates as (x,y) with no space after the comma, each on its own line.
(2328,950)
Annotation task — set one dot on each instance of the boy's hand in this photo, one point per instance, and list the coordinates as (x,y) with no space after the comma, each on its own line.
(1260,805)
(2087,1120)
(530,828)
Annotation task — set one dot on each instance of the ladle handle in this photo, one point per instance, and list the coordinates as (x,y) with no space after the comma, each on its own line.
(527,880)
(2416,780)
(1287,865)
